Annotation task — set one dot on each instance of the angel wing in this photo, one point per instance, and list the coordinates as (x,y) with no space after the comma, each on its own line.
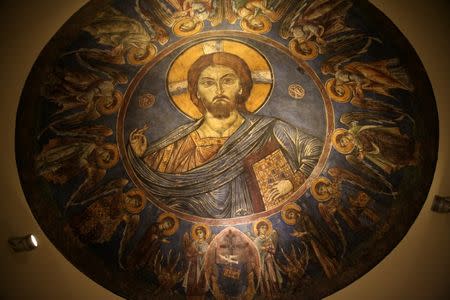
(345,48)
(375,105)
(151,19)
(332,15)
(367,169)
(187,241)
(131,227)
(161,11)
(382,75)
(229,10)
(290,19)
(341,175)
(113,187)
(279,8)
(368,117)
(274,238)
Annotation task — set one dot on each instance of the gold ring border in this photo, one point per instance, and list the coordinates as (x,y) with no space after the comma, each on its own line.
(329,116)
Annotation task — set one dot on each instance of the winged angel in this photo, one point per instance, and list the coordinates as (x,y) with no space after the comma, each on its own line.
(353,78)
(314,25)
(266,241)
(195,246)
(329,196)
(374,146)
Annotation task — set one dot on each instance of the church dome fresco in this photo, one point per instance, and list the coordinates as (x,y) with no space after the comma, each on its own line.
(226,149)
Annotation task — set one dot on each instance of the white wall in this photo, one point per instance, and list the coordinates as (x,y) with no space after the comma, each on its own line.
(419,268)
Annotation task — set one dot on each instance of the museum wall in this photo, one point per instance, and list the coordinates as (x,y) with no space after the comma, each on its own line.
(418,268)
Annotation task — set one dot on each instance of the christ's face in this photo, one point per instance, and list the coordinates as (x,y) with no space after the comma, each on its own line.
(219,88)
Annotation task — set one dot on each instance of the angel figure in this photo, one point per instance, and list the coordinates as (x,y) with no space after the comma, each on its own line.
(86,95)
(375,149)
(127,37)
(108,208)
(266,241)
(359,213)
(76,153)
(352,78)
(317,239)
(167,274)
(257,15)
(195,246)
(330,200)
(297,263)
(313,24)
(147,251)
(185,17)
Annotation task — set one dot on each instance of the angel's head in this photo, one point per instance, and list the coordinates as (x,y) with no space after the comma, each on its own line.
(166,223)
(262,228)
(346,140)
(200,232)
(361,200)
(343,76)
(323,188)
(292,214)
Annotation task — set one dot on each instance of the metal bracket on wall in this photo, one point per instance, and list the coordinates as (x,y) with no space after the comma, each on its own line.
(441,204)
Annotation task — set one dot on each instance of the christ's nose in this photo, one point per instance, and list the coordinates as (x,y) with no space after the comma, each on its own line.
(219,89)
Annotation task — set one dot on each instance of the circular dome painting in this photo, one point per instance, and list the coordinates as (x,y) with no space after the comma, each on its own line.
(226,149)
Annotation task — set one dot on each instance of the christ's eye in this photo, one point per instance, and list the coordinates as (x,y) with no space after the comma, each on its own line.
(229,80)
(207,82)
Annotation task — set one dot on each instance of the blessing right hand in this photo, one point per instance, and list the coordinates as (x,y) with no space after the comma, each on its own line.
(138,140)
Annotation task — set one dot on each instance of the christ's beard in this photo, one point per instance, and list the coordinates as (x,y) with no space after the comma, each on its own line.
(221,109)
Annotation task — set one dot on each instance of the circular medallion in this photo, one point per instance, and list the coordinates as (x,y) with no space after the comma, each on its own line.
(161,150)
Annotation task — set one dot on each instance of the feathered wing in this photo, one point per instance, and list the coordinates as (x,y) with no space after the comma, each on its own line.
(381,76)
(111,188)
(342,175)
(375,105)
(366,117)
(218,12)
(365,168)
(292,17)
(162,12)
(151,21)
(345,48)
(335,22)
(274,238)
(279,8)
(132,224)
(229,11)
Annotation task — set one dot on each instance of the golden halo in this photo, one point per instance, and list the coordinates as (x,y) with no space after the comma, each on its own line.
(177,27)
(107,162)
(263,220)
(200,225)
(337,134)
(330,87)
(176,223)
(135,193)
(138,56)
(105,106)
(265,27)
(315,185)
(177,85)
(312,47)
(284,211)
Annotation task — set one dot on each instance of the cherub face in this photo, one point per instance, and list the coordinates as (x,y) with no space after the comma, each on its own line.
(165,224)
(262,230)
(361,200)
(200,233)
(346,140)
(291,215)
(133,201)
